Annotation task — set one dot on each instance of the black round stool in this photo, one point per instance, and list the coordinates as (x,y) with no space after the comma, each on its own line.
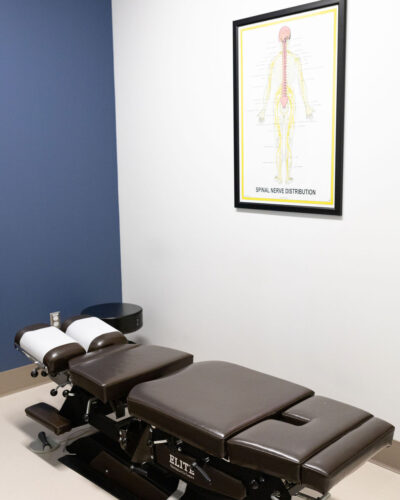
(126,318)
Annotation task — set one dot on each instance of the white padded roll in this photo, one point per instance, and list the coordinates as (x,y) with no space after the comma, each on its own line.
(37,343)
(85,330)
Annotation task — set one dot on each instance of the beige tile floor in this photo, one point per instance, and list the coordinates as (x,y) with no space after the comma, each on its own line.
(24,475)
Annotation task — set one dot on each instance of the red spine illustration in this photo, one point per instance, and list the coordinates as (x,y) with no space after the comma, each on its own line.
(284,36)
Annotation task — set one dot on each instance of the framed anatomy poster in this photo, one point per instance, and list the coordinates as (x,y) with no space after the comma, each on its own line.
(289,109)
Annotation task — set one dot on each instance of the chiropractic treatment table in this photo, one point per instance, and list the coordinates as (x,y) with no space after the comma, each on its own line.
(164,427)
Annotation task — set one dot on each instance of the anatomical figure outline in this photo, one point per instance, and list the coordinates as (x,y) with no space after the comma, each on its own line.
(283,71)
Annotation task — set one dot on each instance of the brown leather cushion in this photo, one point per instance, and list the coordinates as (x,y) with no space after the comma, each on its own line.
(50,417)
(57,359)
(208,402)
(324,470)
(281,448)
(107,339)
(110,373)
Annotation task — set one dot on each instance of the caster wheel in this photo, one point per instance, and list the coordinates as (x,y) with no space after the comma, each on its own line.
(65,393)
(34,373)
(53,392)
(43,374)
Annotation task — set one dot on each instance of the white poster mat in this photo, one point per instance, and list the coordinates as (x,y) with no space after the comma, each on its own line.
(311,58)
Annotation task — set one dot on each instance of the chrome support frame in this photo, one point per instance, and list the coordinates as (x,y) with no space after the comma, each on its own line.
(179,492)
(308,497)
(88,407)
(39,364)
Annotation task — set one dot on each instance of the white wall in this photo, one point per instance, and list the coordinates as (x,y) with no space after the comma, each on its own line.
(312,299)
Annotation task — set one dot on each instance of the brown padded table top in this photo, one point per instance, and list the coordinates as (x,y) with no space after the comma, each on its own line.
(208,402)
(322,441)
(111,372)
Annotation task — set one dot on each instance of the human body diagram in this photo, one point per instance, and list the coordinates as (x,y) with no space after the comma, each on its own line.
(284,70)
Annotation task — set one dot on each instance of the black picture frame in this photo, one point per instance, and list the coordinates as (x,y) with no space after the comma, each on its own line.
(336,209)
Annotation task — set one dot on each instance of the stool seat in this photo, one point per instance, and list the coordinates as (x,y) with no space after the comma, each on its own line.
(111,372)
(122,316)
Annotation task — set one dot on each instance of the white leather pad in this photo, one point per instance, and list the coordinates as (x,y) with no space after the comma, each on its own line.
(37,343)
(85,330)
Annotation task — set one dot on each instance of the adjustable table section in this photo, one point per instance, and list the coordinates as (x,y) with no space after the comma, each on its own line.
(208,402)
(48,347)
(110,373)
(261,423)
(314,443)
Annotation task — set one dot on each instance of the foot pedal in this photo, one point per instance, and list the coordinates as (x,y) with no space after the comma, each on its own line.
(179,492)
(49,417)
(308,497)
(43,444)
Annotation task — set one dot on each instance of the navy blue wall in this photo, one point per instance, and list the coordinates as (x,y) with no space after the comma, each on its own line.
(59,228)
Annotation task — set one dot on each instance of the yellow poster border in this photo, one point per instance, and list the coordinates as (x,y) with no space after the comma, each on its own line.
(333,10)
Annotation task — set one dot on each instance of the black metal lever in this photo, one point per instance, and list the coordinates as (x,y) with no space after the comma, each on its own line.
(43,439)
(199,469)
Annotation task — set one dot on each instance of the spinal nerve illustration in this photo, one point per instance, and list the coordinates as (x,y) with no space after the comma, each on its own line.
(284,69)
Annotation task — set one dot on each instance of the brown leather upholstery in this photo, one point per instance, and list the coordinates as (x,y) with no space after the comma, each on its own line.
(48,416)
(57,359)
(110,373)
(281,448)
(208,402)
(328,467)
(107,339)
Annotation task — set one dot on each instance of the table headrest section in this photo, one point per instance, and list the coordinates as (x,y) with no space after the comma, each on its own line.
(92,333)
(48,345)
(30,328)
